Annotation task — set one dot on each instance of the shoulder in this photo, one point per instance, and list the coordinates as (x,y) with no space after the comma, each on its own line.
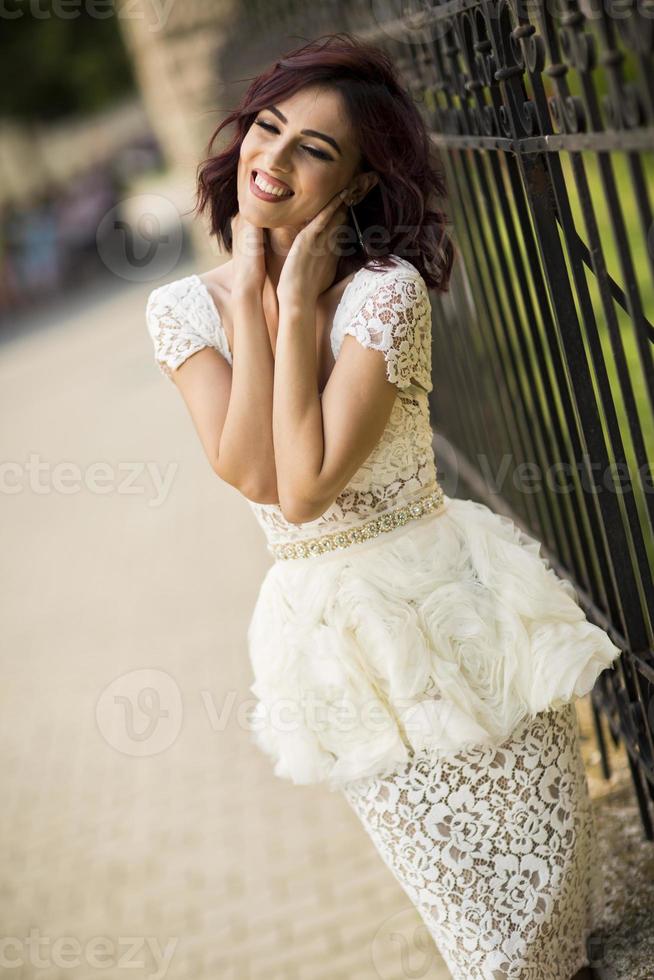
(184,307)
(397,266)
(170,294)
(405,273)
(400,280)
(398,288)
(181,319)
(389,310)
(182,304)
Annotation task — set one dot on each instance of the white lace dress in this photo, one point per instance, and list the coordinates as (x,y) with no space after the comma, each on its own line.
(417,653)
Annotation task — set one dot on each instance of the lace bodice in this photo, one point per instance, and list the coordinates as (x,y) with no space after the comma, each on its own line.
(384,309)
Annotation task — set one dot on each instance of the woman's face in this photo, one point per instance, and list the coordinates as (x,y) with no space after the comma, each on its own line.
(314,167)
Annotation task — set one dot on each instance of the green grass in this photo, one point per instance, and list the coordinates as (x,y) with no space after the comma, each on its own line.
(637,238)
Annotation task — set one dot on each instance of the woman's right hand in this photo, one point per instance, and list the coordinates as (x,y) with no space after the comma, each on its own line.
(248,255)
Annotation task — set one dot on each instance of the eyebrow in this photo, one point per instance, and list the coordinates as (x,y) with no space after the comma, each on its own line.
(307,132)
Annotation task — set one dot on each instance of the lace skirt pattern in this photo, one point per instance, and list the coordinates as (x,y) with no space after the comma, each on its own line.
(496,848)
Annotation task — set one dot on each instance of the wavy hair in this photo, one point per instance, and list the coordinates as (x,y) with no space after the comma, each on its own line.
(393,142)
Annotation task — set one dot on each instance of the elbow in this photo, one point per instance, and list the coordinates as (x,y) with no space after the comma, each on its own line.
(298,509)
(260,494)
(222,471)
(258,491)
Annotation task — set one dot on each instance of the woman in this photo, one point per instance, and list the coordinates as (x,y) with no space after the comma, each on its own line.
(410,650)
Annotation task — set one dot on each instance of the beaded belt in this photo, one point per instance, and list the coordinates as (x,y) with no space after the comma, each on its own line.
(361,532)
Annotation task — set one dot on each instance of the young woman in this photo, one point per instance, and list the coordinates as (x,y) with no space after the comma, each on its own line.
(411,650)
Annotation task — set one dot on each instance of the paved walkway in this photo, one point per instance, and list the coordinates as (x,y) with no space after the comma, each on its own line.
(139,825)
(141,830)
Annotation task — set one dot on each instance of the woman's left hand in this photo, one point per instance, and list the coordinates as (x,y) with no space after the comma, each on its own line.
(310,266)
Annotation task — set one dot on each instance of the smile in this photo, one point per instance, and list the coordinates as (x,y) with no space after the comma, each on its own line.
(267,189)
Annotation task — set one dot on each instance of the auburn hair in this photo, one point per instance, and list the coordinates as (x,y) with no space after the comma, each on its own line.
(393,142)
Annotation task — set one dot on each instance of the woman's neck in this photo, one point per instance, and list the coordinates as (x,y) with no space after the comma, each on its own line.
(278,242)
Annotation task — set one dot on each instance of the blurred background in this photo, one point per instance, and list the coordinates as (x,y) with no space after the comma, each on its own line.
(101,118)
(140,829)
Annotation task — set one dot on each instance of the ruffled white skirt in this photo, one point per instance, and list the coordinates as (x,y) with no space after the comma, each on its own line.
(444,634)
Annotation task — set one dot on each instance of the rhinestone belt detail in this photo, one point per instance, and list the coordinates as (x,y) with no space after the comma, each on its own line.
(361,532)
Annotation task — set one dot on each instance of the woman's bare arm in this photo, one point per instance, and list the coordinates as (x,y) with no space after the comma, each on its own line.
(246,457)
(231,407)
(321,441)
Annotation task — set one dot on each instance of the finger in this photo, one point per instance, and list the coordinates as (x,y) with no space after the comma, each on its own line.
(338,218)
(339,215)
(324,216)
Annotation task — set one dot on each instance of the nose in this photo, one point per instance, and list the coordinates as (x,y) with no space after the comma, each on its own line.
(278,159)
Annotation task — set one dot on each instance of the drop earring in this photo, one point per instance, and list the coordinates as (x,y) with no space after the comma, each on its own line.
(358,230)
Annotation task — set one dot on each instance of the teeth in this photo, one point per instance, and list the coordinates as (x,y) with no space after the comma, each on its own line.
(268,188)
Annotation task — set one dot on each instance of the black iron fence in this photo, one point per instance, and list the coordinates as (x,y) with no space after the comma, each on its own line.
(543,402)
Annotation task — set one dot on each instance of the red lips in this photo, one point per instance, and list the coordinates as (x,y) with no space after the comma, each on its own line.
(273,181)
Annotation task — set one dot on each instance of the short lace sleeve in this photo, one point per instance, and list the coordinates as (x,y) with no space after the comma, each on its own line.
(180,323)
(395,318)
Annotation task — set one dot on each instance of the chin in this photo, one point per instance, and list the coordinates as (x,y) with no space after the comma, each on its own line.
(256,219)
(252,213)
(256,216)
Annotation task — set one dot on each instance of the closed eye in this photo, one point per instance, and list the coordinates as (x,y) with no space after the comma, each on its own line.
(309,149)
